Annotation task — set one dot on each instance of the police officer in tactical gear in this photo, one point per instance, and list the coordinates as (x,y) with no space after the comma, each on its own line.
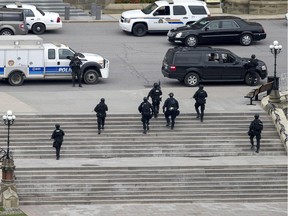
(200,98)
(251,66)
(75,64)
(255,129)
(57,135)
(101,110)
(146,110)
(170,109)
(155,94)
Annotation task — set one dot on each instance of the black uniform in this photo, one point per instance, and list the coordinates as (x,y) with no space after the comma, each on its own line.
(146,110)
(75,64)
(255,129)
(155,94)
(251,66)
(100,110)
(200,97)
(57,135)
(170,109)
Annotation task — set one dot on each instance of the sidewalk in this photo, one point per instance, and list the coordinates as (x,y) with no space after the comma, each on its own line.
(116,17)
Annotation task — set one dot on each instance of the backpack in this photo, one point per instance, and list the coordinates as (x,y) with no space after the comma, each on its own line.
(201,95)
(258,125)
(145,108)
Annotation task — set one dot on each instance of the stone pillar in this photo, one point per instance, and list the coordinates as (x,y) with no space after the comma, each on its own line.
(9,197)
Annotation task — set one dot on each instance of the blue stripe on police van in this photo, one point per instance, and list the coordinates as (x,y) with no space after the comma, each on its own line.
(1,70)
(36,70)
(57,70)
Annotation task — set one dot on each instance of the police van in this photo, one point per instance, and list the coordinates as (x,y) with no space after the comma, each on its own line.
(27,57)
(162,16)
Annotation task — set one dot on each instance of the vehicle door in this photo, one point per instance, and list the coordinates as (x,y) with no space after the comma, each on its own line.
(210,32)
(30,18)
(57,63)
(160,18)
(232,68)
(212,68)
(230,31)
(179,16)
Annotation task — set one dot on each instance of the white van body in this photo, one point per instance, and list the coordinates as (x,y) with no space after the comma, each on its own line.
(27,57)
(163,16)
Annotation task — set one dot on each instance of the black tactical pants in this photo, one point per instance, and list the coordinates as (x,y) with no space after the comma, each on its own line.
(100,122)
(76,73)
(258,138)
(170,114)
(202,108)
(145,121)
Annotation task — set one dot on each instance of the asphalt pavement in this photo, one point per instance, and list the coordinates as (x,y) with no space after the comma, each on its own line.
(216,103)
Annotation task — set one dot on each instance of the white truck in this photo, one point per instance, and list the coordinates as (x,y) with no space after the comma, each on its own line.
(27,57)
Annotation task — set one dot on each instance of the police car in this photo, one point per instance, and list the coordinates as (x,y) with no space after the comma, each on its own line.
(27,57)
(161,16)
(37,20)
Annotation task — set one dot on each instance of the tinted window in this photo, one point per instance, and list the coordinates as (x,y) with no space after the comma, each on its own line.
(179,10)
(12,17)
(229,24)
(214,25)
(187,58)
(51,54)
(197,10)
(28,13)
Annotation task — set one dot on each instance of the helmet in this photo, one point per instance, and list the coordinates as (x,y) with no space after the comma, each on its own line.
(171,94)
(57,126)
(256,116)
(102,100)
(253,56)
(145,99)
(201,86)
(156,85)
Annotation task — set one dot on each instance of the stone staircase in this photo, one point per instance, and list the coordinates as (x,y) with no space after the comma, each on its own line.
(221,134)
(57,6)
(178,184)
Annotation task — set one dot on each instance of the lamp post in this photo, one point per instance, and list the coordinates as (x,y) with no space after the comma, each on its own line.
(8,120)
(274,96)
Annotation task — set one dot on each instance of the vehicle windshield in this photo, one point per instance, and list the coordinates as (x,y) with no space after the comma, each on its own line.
(40,11)
(149,8)
(200,23)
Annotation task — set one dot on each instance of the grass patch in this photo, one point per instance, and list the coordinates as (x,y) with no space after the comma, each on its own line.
(11,212)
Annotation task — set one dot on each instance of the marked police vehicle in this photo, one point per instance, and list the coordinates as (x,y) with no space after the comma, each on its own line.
(161,16)
(27,57)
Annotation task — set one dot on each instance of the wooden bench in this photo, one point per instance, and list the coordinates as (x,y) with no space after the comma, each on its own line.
(255,92)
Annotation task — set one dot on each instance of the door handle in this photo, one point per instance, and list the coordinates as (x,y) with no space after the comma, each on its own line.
(185,17)
(58,63)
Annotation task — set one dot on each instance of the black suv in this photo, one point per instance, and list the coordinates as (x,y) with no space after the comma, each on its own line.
(192,65)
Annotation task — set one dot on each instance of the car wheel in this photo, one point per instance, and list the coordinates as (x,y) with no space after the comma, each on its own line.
(38,28)
(246,39)
(91,77)
(16,79)
(252,79)
(6,32)
(191,41)
(140,30)
(191,80)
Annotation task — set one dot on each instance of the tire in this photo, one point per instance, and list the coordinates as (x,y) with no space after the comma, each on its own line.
(191,80)
(91,77)
(139,29)
(38,28)
(191,41)
(16,79)
(6,32)
(246,39)
(252,78)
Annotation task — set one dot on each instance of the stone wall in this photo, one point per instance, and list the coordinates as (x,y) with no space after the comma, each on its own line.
(256,7)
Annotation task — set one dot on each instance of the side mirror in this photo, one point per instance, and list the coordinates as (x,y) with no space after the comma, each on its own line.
(69,57)
(156,13)
(206,28)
